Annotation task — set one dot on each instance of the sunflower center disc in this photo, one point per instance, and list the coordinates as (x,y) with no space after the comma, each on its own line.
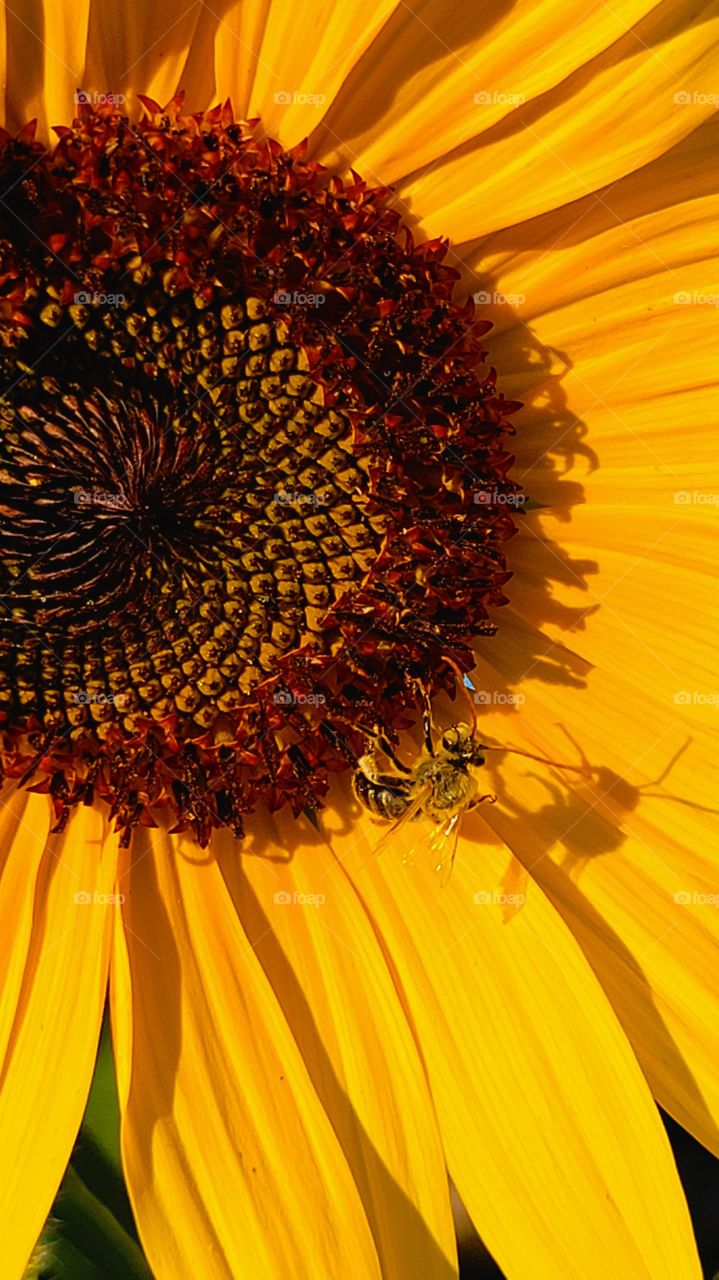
(245,460)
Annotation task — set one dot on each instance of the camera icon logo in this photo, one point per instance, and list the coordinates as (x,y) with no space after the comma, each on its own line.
(283,898)
(283,98)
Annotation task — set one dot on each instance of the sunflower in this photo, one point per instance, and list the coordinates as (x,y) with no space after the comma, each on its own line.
(376,394)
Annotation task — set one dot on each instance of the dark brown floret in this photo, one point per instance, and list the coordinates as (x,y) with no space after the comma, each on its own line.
(245,452)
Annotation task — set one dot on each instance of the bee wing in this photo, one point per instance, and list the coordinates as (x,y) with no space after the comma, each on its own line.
(444,846)
(420,797)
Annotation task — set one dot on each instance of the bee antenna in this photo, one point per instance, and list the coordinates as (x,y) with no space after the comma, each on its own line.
(460,680)
(556,764)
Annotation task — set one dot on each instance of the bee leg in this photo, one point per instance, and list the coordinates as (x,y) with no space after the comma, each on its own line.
(339,742)
(299,760)
(423,694)
(472,804)
(461,684)
(311,815)
(375,735)
(427,727)
(388,750)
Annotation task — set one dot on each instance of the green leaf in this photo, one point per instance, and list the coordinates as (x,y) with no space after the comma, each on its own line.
(101,1122)
(90,1234)
(84,1240)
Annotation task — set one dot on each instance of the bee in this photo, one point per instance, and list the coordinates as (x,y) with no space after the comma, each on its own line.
(442,786)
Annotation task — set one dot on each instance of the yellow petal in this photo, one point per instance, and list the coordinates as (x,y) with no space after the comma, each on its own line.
(610,617)
(574,139)
(113,47)
(652,223)
(621,352)
(454,71)
(318,948)
(15,881)
(608,644)
(627,855)
(136,48)
(618,570)
(232,1165)
(224,54)
(44,61)
(56,926)
(646,917)
(286,64)
(306,51)
(551,1134)
(3,69)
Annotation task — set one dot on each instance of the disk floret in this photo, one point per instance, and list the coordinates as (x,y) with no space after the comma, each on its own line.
(243,431)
